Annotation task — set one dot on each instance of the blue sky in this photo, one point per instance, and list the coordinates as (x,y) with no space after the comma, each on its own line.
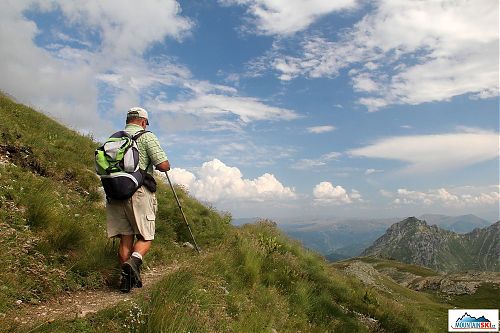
(281,108)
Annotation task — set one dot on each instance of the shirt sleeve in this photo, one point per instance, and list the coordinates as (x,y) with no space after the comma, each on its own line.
(156,154)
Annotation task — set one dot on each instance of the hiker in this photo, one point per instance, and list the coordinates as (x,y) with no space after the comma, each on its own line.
(133,219)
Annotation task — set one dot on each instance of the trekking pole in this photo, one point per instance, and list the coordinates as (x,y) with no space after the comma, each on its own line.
(182,211)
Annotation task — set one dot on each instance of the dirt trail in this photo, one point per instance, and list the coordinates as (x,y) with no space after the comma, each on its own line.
(82,303)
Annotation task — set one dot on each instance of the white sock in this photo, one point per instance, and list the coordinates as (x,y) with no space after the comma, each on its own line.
(137,255)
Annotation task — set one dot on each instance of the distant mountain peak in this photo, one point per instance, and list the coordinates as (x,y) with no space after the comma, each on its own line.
(461,224)
(413,241)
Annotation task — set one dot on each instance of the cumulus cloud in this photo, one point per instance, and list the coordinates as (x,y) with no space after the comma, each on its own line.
(429,153)
(34,76)
(409,52)
(217,182)
(321,129)
(272,17)
(129,27)
(326,193)
(461,197)
(62,76)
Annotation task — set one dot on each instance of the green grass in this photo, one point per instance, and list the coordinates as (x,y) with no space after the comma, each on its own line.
(254,280)
(402,267)
(487,296)
(248,279)
(52,220)
(50,210)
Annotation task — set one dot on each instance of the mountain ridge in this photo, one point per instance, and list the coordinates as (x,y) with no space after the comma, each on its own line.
(413,241)
(340,238)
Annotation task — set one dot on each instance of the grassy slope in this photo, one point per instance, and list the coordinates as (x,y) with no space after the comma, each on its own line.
(52,221)
(249,279)
(430,304)
(49,200)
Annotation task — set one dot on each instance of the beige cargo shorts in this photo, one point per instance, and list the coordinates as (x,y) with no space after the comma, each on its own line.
(134,216)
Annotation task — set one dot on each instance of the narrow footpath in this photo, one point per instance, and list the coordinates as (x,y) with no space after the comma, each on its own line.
(72,305)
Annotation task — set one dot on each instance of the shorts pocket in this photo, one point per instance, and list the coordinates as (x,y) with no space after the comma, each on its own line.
(149,225)
(153,204)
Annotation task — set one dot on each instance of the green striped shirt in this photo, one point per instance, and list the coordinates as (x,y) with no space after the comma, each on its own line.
(150,152)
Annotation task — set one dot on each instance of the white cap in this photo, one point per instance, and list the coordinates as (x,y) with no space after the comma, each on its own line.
(138,112)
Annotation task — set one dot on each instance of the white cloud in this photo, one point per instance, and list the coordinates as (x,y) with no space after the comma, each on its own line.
(325,193)
(63,81)
(127,27)
(365,83)
(410,52)
(234,148)
(310,164)
(217,182)
(321,129)
(428,153)
(278,17)
(355,195)
(461,197)
(107,67)
(372,171)
(208,106)
(247,109)
(386,193)
(34,76)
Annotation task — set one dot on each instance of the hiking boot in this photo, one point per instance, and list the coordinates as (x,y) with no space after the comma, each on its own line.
(126,281)
(132,267)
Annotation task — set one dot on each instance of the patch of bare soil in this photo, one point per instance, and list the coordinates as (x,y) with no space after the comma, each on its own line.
(23,157)
(82,303)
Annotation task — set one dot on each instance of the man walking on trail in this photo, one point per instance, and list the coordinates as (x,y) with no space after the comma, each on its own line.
(135,217)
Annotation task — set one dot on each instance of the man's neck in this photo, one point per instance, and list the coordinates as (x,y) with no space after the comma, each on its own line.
(135,125)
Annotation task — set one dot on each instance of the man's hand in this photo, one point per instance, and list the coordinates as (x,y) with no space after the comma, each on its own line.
(163,166)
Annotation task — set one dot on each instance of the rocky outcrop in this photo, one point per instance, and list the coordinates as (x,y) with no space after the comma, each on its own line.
(455,284)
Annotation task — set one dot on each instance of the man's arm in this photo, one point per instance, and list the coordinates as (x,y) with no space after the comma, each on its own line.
(155,152)
(163,166)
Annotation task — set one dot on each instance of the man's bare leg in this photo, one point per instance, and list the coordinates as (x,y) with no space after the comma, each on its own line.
(125,247)
(142,246)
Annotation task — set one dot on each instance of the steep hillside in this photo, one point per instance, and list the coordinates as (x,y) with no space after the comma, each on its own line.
(247,279)
(414,241)
(52,221)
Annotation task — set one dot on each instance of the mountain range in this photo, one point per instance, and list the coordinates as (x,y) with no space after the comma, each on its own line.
(416,242)
(341,238)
